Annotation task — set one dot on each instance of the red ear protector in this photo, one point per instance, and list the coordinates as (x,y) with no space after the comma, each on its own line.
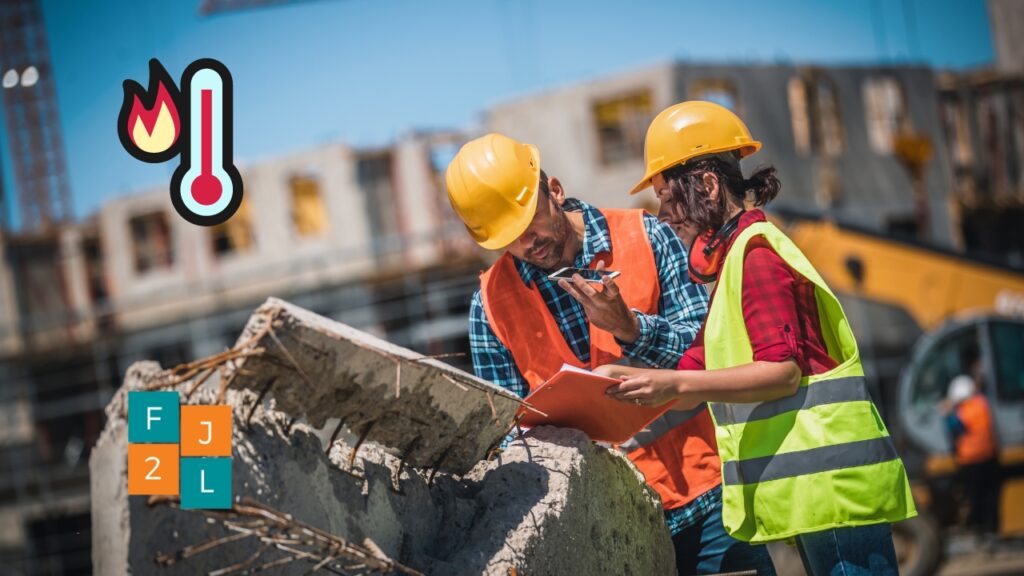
(708,251)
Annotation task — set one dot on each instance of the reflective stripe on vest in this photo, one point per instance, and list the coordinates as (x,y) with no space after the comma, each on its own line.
(835,457)
(676,453)
(818,459)
(849,389)
(663,425)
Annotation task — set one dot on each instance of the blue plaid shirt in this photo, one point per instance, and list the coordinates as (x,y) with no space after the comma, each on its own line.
(663,337)
(694,511)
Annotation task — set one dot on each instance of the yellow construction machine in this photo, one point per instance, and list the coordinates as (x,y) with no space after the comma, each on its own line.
(917,310)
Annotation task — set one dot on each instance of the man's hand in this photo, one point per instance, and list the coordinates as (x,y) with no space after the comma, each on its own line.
(605,308)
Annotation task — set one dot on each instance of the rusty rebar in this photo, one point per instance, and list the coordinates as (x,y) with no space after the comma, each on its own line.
(280,530)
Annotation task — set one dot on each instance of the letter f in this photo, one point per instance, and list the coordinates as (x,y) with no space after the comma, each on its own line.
(150,418)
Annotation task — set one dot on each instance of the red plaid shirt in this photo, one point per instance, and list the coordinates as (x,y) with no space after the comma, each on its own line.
(779,309)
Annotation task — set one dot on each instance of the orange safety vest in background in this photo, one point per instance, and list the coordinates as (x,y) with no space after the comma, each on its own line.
(677,454)
(977,443)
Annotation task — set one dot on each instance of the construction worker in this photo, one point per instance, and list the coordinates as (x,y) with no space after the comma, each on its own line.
(969,422)
(804,452)
(524,326)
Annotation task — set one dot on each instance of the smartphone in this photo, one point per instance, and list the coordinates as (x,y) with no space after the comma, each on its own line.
(587,274)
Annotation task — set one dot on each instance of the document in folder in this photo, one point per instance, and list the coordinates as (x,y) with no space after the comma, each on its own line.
(575,398)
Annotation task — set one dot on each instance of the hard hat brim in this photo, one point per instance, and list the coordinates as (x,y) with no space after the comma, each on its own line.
(515,229)
(747,149)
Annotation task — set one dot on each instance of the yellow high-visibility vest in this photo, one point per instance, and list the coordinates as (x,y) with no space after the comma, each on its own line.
(819,459)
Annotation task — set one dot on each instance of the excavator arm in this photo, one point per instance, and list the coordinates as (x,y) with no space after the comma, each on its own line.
(930,283)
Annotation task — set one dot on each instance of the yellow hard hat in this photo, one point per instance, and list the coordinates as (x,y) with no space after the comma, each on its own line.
(492,185)
(690,129)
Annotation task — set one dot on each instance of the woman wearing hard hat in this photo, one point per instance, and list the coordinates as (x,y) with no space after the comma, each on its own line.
(804,452)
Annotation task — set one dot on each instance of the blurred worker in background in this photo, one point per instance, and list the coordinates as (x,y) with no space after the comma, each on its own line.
(969,421)
(524,326)
(804,451)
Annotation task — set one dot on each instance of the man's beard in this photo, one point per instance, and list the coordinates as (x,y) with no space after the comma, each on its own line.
(552,248)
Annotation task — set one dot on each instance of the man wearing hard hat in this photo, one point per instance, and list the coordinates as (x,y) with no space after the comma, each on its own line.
(968,418)
(524,326)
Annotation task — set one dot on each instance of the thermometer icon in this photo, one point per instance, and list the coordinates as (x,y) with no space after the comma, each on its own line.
(206,188)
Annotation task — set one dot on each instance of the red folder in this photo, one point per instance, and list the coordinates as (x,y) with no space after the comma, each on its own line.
(575,398)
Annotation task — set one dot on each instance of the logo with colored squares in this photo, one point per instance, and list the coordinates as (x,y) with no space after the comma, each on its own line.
(176,450)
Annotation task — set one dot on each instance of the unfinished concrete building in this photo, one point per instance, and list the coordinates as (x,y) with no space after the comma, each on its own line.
(984,117)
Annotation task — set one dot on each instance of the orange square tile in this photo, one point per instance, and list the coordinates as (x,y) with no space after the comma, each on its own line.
(205,430)
(153,469)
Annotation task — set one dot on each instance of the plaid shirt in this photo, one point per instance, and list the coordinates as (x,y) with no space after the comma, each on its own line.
(694,511)
(663,337)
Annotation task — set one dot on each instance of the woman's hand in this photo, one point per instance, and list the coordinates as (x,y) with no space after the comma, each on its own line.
(647,388)
(617,371)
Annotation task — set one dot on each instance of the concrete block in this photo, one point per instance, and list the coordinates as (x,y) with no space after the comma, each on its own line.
(552,503)
(435,415)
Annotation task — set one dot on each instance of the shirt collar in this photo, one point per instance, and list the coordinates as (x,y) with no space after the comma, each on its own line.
(596,239)
(746,219)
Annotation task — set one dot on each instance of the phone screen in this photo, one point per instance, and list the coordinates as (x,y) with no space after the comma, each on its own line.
(587,274)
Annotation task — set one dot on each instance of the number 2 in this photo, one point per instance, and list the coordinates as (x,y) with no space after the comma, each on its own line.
(155,466)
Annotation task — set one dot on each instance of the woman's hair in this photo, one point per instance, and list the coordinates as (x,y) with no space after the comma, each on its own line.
(686,185)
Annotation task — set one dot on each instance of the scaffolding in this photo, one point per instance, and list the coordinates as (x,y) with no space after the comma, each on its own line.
(33,125)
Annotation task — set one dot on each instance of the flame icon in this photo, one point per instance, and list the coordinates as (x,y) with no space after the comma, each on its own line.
(149,124)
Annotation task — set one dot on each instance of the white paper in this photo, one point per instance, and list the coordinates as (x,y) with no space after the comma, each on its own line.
(571,368)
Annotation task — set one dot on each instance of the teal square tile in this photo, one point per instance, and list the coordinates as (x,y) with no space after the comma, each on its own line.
(205,483)
(153,417)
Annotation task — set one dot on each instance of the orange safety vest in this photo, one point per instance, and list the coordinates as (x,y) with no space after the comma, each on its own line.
(977,443)
(677,453)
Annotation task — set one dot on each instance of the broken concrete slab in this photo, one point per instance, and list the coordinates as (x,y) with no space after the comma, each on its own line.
(556,503)
(429,413)
(552,503)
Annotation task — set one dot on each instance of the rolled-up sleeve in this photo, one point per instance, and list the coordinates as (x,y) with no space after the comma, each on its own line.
(693,358)
(769,306)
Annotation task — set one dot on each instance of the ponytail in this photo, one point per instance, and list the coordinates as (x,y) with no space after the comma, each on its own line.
(762,186)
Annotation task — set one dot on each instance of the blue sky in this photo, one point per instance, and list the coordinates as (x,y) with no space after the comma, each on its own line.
(365,71)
